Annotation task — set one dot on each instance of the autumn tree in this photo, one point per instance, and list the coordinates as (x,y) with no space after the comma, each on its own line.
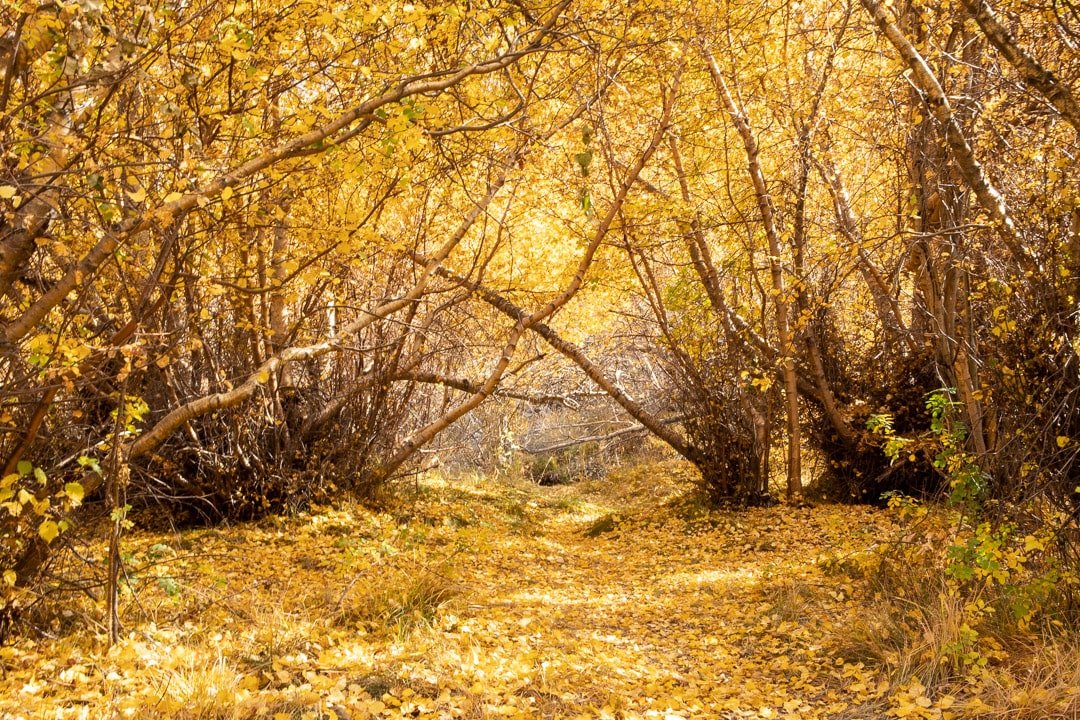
(195,197)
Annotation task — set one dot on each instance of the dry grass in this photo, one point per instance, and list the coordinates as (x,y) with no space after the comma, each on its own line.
(928,638)
(790,600)
(959,640)
(193,689)
(400,602)
(1041,682)
(920,626)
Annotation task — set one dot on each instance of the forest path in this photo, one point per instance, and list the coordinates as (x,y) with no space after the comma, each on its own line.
(631,599)
(615,598)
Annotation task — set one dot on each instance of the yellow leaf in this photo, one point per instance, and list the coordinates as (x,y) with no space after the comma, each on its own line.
(173,197)
(137,195)
(9,577)
(48,530)
(1062,441)
(262,377)
(7,191)
(227,194)
(75,492)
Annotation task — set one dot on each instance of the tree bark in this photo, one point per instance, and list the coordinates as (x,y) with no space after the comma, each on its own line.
(1030,69)
(968,165)
(779,291)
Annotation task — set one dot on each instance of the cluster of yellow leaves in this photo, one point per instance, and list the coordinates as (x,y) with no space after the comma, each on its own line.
(24,496)
(913,701)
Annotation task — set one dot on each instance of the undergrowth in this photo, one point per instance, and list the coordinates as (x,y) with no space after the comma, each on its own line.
(964,619)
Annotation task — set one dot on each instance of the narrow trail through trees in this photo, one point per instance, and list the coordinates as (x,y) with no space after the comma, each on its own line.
(665,609)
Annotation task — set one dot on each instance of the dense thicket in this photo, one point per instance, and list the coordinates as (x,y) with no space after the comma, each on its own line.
(256,254)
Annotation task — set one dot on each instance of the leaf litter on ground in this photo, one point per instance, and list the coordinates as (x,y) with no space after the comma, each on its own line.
(482,599)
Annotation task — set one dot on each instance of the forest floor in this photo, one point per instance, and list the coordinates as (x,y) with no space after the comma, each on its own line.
(615,598)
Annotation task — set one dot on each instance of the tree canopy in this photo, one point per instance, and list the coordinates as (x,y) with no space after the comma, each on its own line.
(255,254)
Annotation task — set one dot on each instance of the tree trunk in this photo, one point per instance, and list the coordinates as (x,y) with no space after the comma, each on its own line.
(1034,74)
(779,291)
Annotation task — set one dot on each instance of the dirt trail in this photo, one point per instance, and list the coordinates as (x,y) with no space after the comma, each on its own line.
(660,608)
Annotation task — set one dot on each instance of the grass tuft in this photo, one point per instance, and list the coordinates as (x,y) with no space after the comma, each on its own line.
(401,603)
(790,600)
(1041,683)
